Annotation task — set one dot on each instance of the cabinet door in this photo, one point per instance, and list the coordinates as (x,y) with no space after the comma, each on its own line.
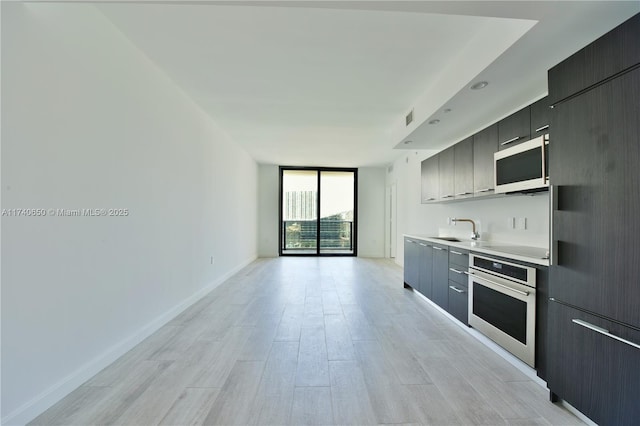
(446,167)
(459,301)
(540,117)
(430,179)
(440,286)
(411,262)
(594,159)
(463,168)
(485,144)
(595,373)
(458,284)
(515,128)
(458,258)
(610,54)
(426,265)
(542,321)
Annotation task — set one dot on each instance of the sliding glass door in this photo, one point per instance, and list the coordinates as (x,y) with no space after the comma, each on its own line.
(299,214)
(318,211)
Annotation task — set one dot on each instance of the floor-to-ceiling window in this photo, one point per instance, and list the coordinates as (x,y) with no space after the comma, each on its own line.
(318,211)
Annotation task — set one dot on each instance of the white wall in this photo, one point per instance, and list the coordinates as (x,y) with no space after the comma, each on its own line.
(268,196)
(431,219)
(371,211)
(371,181)
(90,122)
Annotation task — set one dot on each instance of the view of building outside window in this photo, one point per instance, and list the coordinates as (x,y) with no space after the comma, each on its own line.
(300,211)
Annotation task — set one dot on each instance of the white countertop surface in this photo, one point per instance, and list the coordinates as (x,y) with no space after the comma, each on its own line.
(535,255)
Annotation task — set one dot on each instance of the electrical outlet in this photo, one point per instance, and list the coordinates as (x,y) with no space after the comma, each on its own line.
(448,221)
(511,222)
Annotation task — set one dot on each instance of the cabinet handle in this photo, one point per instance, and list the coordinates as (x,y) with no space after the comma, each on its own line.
(437,248)
(411,241)
(553,195)
(456,252)
(484,190)
(448,196)
(545,127)
(512,140)
(429,199)
(464,193)
(422,244)
(604,331)
(524,293)
(544,161)
(456,289)
(456,271)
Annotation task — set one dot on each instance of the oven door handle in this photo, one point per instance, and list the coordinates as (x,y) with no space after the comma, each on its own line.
(524,293)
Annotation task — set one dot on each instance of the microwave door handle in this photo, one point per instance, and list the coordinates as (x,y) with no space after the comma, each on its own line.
(510,140)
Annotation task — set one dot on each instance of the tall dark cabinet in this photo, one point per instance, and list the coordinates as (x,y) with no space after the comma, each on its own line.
(594,321)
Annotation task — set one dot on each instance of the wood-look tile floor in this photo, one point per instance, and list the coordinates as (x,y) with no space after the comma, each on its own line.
(310,341)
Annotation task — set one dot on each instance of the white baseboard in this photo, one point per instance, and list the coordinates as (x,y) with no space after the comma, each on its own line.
(40,403)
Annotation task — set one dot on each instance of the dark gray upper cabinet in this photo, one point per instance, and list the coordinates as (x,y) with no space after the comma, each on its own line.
(515,128)
(446,166)
(540,117)
(610,54)
(485,144)
(463,168)
(430,179)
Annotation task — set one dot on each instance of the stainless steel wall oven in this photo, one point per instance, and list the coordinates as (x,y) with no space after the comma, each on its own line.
(502,304)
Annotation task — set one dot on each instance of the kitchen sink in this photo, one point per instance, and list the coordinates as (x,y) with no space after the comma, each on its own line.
(453,240)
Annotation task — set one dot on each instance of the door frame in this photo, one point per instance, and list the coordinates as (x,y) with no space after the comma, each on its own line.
(393,221)
(354,231)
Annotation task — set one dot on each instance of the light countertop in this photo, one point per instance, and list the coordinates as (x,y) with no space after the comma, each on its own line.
(535,255)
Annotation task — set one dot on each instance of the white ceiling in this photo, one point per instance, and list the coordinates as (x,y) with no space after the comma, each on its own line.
(329,83)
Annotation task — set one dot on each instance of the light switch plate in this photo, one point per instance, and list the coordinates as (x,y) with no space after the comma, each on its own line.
(522,223)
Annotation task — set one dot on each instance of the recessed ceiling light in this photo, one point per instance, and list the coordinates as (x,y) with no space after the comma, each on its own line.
(436,121)
(479,85)
(446,110)
(407,142)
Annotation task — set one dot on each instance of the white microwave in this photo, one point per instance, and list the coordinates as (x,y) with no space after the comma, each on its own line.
(523,168)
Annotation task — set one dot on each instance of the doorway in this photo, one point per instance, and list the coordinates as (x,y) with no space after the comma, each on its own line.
(318,211)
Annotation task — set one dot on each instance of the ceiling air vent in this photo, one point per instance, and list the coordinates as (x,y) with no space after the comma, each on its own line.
(409,118)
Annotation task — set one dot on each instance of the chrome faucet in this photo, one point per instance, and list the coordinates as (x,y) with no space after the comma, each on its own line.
(474,234)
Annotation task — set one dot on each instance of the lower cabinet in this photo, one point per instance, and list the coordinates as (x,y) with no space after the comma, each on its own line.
(411,263)
(459,301)
(591,370)
(439,273)
(433,271)
(426,268)
(440,283)
(458,285)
